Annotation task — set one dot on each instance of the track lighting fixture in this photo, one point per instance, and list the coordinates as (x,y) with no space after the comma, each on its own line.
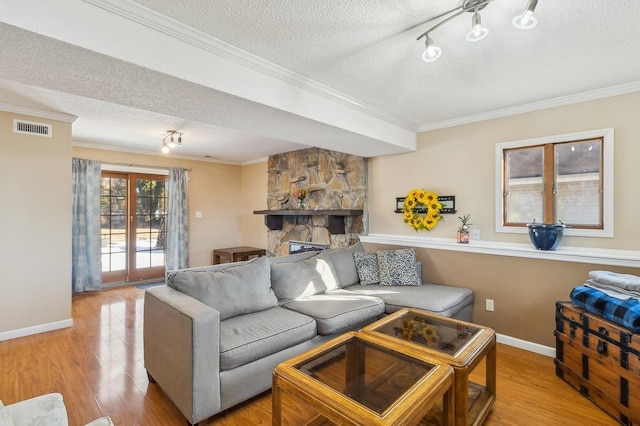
(172,143)
(524,21)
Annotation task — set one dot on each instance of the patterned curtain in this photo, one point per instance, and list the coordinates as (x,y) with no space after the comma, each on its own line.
(177,251)
(86,270)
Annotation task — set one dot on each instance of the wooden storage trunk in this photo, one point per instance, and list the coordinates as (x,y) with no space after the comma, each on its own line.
(601,360)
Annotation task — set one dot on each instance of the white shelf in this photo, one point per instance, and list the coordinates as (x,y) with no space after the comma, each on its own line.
(626,258)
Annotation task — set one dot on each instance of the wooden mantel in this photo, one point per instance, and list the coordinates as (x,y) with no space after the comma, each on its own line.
(273,218)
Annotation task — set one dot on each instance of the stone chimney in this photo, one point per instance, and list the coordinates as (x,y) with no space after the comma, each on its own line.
(333,180)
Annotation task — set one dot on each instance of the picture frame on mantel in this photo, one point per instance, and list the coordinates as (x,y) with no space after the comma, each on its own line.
(448,204)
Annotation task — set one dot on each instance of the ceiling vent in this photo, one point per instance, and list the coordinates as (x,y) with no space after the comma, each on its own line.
(31,128)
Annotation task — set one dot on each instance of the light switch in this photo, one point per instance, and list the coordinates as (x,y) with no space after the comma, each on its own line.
(198,214)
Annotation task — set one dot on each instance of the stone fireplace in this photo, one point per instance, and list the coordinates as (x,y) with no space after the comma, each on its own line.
(332,213)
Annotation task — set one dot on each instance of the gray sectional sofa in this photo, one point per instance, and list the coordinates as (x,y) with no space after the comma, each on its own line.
(213,335)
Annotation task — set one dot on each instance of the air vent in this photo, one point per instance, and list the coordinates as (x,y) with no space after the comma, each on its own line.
(31,128)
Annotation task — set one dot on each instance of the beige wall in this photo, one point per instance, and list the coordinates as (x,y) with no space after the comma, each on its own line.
(35,254)
(214,189)
(254,197)
(460,161)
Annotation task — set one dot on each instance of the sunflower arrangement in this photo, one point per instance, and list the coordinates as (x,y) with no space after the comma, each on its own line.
(417,329)
(422,209)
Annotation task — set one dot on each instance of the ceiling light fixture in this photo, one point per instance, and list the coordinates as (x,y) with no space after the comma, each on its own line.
(478,32)
(168,146)
(524,21)
(432,52)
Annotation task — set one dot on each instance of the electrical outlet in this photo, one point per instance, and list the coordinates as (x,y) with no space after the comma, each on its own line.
(489,305)
(475,234)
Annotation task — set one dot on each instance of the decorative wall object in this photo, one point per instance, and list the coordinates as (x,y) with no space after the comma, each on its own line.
(422,210)
(448,204)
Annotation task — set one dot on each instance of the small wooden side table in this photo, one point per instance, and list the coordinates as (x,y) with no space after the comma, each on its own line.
(460,344)
(235,254)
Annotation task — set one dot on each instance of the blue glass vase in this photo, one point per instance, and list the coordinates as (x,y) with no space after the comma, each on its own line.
(545,236)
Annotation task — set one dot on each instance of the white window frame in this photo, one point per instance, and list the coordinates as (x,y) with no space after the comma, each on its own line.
(607,136)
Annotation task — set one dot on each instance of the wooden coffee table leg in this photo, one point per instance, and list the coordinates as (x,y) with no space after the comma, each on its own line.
(448,407)
(491,370)
(461,386)
(276,403)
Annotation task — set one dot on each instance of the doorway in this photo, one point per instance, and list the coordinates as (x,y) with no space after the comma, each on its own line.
(133,214)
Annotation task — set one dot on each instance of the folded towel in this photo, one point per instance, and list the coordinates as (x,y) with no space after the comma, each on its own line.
(626,281)
(613,291)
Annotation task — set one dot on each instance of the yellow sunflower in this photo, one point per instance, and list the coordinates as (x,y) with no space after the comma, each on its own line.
(419,219)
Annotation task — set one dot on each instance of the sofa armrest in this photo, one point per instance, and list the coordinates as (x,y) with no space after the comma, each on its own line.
(181,350)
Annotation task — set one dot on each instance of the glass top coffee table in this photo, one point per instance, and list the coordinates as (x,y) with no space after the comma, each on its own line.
(361,379)
(460,344)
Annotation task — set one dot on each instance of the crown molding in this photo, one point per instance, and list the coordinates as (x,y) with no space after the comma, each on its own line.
(106,147)
(168,26)
(34,112)
(591,95)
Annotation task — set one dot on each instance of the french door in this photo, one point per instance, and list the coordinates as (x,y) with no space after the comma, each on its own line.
(133,226)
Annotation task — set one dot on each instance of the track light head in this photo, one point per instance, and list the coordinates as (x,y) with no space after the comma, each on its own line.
(526,21)
(478,32)
(432,52)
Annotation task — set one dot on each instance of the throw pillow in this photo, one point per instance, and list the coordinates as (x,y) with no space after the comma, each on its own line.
(367,267)
(235,290)
(293,280)
(398,267)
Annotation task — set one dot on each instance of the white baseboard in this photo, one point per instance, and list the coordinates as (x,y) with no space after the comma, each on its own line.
(28,331)
(526,345)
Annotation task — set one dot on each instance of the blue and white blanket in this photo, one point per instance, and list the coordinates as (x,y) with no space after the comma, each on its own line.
(623,312)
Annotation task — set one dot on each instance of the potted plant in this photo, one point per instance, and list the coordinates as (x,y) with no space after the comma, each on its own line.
(463,229)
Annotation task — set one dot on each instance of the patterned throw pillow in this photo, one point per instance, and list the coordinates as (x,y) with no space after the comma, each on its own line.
(398,267)
(367,267)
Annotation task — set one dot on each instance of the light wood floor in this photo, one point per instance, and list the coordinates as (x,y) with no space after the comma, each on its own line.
(98,366)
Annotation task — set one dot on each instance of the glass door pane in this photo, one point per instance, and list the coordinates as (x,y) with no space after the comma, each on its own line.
(113,232)
(150,227)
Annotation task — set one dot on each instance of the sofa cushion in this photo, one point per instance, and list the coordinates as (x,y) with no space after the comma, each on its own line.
(253,336)
(397,267)
(366,267)
(292,280)
(235,290)
(438,299)
(337,310)
(343,263)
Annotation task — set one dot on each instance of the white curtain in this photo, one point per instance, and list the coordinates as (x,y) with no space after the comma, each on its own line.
(86,269)
(177,248)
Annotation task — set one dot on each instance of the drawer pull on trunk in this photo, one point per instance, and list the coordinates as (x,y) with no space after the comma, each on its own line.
(602,347)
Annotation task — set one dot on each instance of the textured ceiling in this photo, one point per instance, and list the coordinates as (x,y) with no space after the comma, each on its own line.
(364,53)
